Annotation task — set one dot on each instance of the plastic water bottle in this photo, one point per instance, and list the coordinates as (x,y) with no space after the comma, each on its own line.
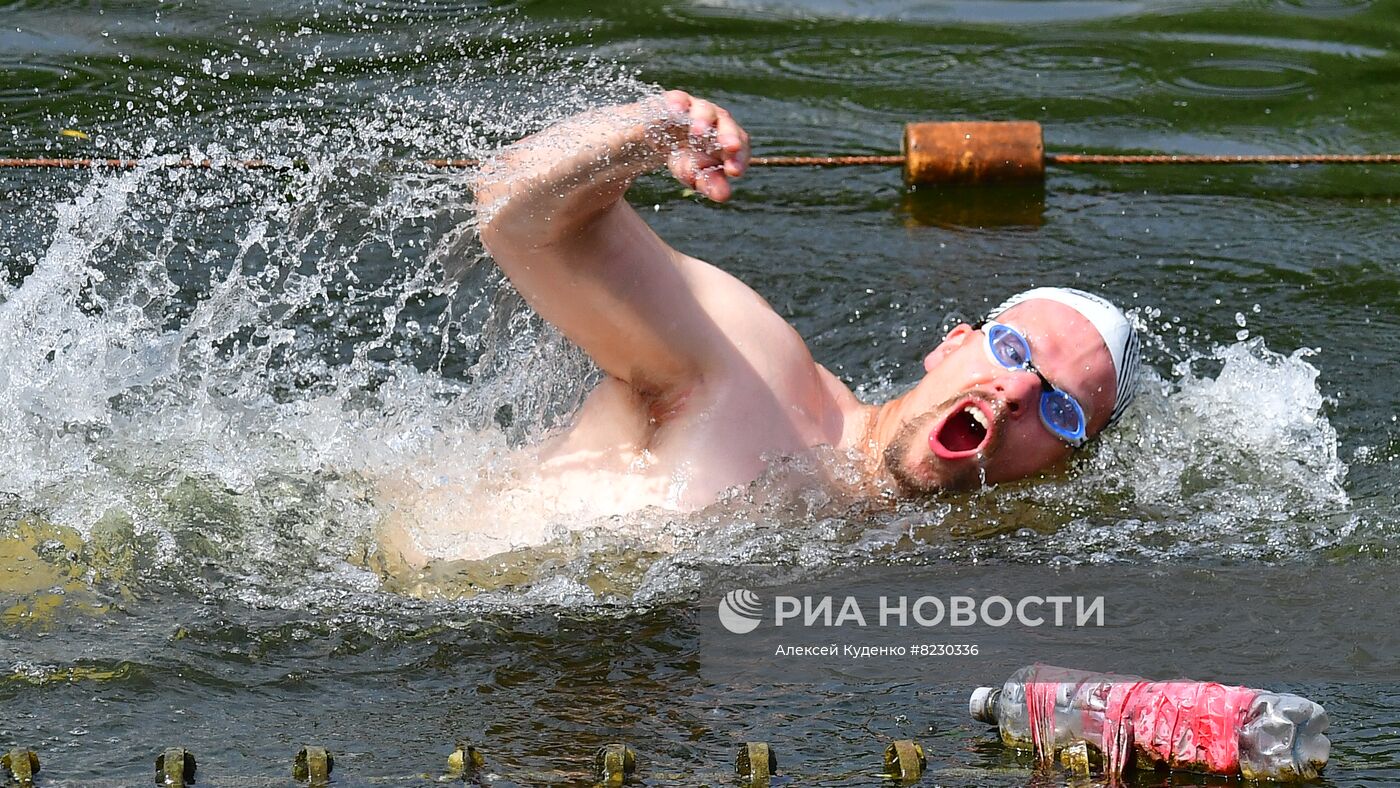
(1192,725)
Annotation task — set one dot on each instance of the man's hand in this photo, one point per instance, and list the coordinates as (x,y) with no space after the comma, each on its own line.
(710,150)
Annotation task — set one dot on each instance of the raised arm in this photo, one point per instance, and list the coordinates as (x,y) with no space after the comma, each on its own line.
(553,216)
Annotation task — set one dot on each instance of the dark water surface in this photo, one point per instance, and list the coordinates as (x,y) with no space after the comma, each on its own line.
(207,371)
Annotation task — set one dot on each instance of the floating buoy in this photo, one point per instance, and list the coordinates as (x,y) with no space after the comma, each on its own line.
(756,764)
(22,765)
(175,767)
(465,762)
(905,761)
(614,763)
(313,765)
(988,152)
(973,152)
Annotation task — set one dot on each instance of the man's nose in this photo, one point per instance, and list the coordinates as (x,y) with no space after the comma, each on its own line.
(1021,390)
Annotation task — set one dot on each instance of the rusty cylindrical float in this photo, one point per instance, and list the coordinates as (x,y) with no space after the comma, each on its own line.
(971,152)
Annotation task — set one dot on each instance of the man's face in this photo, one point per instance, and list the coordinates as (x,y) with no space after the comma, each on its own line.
(971,420)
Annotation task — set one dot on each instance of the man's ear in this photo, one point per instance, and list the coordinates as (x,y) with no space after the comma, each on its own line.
(950,343)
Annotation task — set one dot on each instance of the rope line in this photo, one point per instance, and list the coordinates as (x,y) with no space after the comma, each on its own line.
(1054,159)
(826,161)
(1071,159)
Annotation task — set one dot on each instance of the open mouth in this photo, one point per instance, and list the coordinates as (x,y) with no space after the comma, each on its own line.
(963,431)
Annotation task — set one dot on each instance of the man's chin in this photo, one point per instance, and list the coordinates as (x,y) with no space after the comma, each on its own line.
(942,476)
(918,471)
(932,474)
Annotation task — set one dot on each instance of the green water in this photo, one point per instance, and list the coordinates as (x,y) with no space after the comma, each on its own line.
(202,381)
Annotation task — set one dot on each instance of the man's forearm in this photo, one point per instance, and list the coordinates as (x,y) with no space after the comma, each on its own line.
(553,183)
(552,214)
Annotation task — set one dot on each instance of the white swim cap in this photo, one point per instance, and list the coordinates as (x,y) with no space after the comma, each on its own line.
(1117,332)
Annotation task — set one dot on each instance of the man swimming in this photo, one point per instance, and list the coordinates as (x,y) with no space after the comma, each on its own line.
(706,384)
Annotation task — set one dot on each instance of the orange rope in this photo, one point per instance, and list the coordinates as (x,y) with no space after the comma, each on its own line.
(1064,159)
(826,161)
(1055,159)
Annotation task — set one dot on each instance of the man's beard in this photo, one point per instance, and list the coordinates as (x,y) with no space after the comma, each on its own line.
(946,476)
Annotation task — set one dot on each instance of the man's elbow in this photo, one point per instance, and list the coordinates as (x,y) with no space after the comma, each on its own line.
(510,221)
(497,224)
(505,235)
(488,192)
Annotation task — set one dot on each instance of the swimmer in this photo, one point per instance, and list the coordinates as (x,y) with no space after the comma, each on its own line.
(706,384)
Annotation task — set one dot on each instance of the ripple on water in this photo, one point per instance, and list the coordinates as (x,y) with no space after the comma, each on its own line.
(416,9)
(1323,8)
(857,63)
(1243,78)
(40,5)
(816,136)
(26,81)
(1057,67)
(1075,66)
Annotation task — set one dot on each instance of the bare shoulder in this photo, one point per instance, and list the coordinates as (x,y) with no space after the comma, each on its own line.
(767,365)
(754,331)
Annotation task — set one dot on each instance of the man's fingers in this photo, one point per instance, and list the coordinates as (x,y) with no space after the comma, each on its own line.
(734,146)
(703,116)
(712,183)
(728,133)
(718,148)
(702,160)
(733,143)
(704,174)
(677,101)
(682,168)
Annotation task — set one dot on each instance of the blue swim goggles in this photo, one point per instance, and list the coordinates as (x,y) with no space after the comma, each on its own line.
(1060,412)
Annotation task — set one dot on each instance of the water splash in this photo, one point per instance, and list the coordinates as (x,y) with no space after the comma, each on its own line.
(227,360)
(1234,455)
